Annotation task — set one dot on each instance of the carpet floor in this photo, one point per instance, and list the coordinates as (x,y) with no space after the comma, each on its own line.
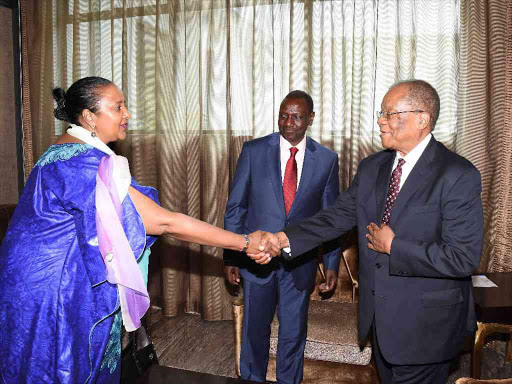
(191,343)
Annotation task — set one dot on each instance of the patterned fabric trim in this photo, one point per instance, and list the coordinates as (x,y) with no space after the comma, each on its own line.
(62,152)
(112,355)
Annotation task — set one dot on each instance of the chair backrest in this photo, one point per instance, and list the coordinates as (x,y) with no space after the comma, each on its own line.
(6,211)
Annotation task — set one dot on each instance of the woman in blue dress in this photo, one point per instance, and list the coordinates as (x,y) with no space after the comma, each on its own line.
(75,254)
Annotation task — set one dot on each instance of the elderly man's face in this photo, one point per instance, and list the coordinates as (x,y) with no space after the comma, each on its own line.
(294,120)
(403,131)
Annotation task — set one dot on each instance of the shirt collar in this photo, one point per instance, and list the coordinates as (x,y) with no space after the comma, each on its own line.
(414,155)
(285,145)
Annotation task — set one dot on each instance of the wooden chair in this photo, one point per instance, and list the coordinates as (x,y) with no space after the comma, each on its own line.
(350,258)
(484,330)
(467,380)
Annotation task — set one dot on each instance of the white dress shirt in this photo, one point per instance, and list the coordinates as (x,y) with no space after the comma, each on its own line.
(411,158)
(285,155)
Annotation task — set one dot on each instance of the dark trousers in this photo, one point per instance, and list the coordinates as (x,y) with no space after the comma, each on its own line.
(435,373)
(292,310)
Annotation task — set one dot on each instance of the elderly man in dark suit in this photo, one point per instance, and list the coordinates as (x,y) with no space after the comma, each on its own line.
(418,211)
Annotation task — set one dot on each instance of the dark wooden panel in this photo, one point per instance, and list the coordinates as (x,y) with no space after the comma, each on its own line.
(16,75)
(16,35)
(9,188)
(8,3)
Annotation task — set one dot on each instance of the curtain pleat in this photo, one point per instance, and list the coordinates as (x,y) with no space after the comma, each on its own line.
(38,79)
(28,156)
(503,259)
(203,77)
(484,135)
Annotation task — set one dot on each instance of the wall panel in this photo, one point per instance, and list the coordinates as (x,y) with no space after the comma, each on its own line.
(8,159)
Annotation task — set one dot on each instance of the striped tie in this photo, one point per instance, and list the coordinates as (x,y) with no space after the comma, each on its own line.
(290,180)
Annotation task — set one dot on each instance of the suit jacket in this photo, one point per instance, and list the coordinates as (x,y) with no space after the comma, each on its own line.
(421,294)
(256,203)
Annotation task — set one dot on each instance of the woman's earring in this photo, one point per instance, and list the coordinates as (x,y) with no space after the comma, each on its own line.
(93,129)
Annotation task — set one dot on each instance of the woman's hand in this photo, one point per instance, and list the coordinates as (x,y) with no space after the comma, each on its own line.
(158,221)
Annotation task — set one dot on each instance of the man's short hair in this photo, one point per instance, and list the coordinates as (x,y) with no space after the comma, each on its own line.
(424,95)
(297,94)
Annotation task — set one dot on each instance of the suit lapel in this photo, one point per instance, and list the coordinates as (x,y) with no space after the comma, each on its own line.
(381,187)
(415,180)
(308,168)
(274,169)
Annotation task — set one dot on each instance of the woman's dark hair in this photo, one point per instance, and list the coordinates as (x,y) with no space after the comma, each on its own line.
(83,94)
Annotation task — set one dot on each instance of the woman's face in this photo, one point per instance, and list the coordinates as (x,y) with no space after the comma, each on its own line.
(111,119)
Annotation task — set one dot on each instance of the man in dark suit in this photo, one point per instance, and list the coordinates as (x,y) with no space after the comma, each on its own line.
(280,179)
(420,234)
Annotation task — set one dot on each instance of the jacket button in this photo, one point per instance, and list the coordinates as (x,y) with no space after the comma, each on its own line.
(373,292)
(378,265)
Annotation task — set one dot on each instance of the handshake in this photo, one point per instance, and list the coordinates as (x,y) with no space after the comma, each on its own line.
(263,246)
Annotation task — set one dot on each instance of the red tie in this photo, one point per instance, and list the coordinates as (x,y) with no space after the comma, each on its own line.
(290,180)
(394,188)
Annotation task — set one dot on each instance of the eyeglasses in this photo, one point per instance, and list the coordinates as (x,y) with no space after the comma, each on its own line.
(388,115)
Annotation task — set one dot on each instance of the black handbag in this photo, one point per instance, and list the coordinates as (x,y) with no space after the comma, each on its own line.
(138,355)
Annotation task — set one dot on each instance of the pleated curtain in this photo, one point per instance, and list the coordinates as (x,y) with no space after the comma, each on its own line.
(202,77)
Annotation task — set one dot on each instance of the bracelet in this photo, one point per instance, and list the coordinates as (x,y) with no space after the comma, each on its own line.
(247,242)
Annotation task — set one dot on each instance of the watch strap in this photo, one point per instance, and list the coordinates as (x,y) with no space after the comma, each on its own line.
(247,242)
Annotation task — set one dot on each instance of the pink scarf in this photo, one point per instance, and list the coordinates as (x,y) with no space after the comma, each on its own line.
(122,268)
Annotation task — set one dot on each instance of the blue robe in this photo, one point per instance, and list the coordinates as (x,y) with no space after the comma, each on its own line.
(57,310)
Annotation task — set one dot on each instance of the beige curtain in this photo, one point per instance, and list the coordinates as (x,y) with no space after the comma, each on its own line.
(484,129)
(202,77)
